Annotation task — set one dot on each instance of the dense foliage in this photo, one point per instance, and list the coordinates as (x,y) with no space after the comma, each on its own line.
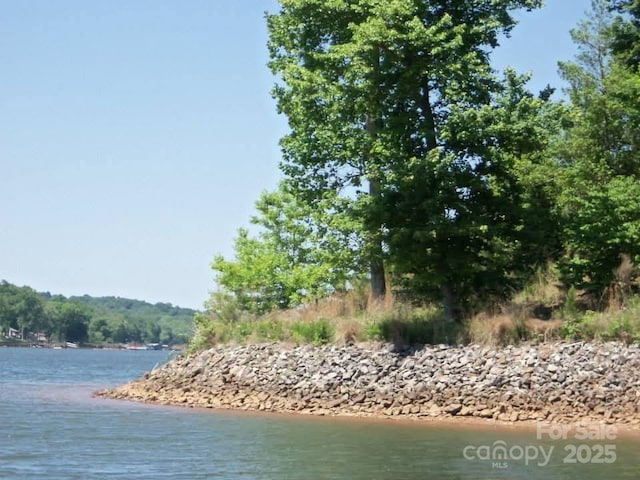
(91,319)
(300,253)
(412,163)
(599,201)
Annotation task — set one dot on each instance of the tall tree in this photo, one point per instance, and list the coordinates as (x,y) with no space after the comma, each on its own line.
(600,184)
(368,87)
(626,32)
(70,320)
(491,222)
(21,308)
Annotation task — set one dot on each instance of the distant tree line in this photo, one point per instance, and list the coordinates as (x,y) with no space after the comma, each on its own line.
(95,320)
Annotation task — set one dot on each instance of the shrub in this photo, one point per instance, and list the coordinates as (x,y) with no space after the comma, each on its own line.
(318,332)
(571,316)
(269,330)
(412,326)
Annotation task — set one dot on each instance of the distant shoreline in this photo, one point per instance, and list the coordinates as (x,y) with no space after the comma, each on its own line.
(58,346)
(519,385)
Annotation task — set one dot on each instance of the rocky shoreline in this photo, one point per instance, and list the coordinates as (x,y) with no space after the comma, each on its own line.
(559,382)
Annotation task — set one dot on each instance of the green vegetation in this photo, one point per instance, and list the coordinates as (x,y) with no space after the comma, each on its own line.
(391,102)
(105,320)
(475,209)
(301,253)
(543,310)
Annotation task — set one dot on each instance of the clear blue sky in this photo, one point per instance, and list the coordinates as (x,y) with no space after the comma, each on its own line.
(136,135)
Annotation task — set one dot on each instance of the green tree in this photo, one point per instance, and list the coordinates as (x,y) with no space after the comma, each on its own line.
(121,332)
(99,330)
(492,221)
(368,88)
(598,199)
(167,337)
(21,308)
(300,253)
(626,33)
(70,321)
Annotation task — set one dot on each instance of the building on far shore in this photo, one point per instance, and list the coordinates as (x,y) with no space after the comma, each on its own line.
(13,333)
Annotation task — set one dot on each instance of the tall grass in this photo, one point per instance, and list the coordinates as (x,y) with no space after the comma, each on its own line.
(338,320)
(542,311)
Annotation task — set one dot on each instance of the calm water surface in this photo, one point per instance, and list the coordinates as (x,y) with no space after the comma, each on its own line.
(51,427)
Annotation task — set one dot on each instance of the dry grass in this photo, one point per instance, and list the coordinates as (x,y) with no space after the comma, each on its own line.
(542,311)
(544,330)
(531,315)
(499,330)
(348,331)
(489,330)
(626,279)
(545,289)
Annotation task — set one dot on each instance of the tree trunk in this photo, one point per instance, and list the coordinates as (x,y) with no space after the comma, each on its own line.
(449,304)
(378,280)
(431,136)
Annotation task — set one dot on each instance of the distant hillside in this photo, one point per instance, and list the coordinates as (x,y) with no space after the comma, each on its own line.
(97,320)
(134,308)
(159,322)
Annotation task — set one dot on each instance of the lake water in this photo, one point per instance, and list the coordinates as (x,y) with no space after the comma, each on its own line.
(51,427)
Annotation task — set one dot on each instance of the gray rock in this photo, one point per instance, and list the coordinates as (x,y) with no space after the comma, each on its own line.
(558,381)
(453,408)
